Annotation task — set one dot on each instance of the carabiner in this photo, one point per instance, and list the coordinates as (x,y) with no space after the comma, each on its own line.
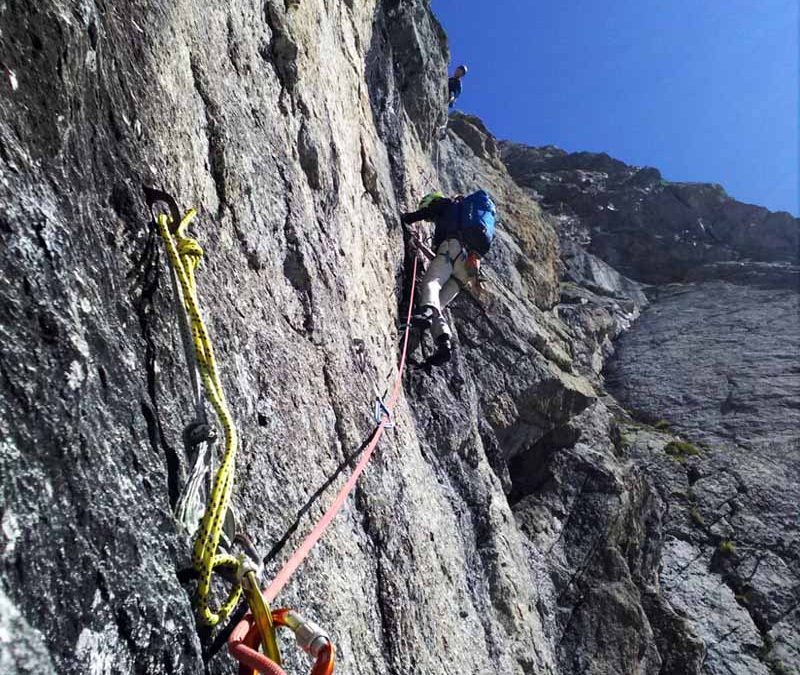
(244,642)
(261,613)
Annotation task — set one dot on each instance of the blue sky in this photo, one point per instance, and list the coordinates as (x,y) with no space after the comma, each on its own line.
(704,90)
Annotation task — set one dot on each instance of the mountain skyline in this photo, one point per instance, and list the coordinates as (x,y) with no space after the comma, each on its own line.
(706,92)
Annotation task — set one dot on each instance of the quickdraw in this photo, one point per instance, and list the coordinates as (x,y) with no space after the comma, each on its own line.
(244,642)
(199,436)
(382,410)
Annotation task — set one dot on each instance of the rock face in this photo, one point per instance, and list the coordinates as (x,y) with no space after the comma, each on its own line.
(715,366)
(507,524)
(650,229)
(706,358)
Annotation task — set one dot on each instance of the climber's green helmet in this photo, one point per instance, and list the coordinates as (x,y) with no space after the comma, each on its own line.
(429,198)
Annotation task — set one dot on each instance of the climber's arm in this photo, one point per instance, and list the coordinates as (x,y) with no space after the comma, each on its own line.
(430,212)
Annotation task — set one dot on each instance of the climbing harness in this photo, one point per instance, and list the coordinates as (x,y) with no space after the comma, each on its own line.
(428,252)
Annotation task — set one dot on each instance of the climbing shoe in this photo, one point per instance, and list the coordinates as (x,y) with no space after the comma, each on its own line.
(444,351)
(423,320)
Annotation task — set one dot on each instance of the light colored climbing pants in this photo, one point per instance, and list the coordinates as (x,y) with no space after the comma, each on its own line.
(444,278)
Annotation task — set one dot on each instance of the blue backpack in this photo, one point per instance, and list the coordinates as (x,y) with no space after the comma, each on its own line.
(478,214)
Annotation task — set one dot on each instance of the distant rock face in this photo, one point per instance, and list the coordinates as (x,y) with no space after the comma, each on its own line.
(715,365)
(727,374)
(650,229)
(722,364)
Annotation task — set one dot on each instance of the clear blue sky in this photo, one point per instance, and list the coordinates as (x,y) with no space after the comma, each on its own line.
(704,90)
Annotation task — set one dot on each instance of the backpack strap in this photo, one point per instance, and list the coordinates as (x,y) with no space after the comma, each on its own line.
(461,223)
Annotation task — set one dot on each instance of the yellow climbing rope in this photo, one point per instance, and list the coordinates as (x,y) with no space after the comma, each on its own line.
(184,255)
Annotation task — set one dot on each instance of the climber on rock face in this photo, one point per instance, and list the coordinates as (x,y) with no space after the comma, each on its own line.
(464,228)
(454,84)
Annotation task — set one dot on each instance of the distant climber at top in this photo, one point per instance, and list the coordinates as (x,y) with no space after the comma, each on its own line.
(454,84)
(464,229)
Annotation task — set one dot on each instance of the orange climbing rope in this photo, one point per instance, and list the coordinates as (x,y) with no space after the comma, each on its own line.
(244,640)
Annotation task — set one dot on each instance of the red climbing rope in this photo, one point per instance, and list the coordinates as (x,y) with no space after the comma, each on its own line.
(245,641)
(242,645)
(300,554)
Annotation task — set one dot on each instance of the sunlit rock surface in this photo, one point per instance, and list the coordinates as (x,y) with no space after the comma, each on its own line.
(512,521)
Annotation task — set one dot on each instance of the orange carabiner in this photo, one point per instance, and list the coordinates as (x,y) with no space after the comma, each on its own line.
(311,638)
(244,642)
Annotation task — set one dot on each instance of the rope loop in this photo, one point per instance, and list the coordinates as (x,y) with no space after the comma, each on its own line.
(244,643)
(185,254)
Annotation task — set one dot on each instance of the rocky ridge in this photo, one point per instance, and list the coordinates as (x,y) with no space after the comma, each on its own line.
(650,229)
(710,376)
(506,524)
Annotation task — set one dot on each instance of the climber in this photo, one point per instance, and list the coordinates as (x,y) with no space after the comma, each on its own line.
(454,84)
(463,233)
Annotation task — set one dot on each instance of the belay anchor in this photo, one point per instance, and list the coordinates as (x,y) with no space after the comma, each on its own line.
(218,525)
